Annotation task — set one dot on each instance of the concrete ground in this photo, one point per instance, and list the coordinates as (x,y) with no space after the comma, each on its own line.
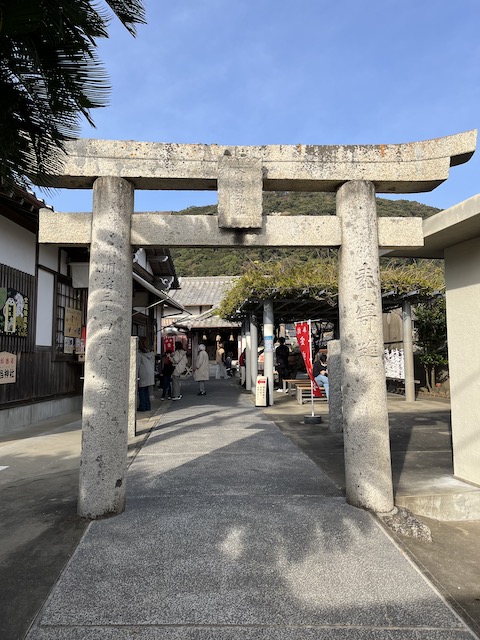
(39,529)
(420,441)
(39,526)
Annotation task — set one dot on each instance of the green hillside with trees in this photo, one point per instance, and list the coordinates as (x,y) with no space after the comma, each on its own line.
(229,262)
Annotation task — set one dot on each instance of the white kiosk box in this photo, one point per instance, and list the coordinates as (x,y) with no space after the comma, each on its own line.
(261,391)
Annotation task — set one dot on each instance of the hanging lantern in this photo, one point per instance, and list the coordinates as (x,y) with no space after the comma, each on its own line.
(231,337)
(204,338)
(219,337)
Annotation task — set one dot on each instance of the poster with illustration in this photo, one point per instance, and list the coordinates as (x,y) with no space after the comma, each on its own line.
(13,312)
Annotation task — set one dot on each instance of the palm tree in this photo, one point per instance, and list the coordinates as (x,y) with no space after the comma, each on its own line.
(51,77)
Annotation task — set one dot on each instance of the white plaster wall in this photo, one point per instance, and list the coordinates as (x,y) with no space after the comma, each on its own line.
(141,259)
(462,273)
(48,256)
(63,263)
(17,246)
(158,331)
(46,283)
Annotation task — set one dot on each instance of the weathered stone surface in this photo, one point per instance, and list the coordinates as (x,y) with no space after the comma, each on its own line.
(203,231)
(158,228)
(365,418)
(105,399)
(335,411)
(406,523)
(396,232)
(239,192)
(132,388)
(393,168)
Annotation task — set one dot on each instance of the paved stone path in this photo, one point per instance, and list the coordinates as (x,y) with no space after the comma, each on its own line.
(232,533)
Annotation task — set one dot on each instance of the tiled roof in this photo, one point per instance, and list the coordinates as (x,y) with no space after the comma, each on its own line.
(207,320)
(202,291)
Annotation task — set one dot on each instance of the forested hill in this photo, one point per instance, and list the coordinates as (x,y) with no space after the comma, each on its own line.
(230,262)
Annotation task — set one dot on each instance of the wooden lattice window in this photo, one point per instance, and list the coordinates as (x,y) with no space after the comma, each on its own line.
(67,298)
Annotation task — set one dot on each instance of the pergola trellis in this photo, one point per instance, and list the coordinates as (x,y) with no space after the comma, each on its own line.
(295,306)
(321,306)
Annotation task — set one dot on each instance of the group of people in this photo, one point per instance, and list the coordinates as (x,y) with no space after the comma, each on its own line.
(282,358)
(173,366)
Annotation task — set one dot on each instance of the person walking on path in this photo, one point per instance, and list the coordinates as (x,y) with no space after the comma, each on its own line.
(202,369)
(320,372)
(167,371)
(179,360)
(145,374)
(220,372)
(282,353)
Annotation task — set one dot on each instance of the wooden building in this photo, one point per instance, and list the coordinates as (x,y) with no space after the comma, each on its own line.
(43,306)
(200,297)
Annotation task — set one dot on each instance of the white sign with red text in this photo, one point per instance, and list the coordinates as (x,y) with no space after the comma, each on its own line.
(261,392)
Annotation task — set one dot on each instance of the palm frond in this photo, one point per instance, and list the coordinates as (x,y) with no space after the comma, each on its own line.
(51,78)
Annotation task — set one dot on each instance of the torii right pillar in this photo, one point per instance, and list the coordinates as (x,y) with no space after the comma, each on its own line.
(368,471)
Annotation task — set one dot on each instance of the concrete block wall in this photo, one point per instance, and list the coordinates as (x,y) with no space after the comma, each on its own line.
(14,418)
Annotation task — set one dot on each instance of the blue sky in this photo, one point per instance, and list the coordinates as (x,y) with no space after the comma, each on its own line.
(252,72)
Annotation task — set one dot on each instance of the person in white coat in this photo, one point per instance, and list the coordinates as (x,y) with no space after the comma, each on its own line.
(202,369)
(145,374)
(179,359)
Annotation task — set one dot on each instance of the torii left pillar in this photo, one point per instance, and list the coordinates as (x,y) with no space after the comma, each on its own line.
(103,461)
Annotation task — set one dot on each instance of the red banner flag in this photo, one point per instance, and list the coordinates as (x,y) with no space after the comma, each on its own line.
(169,344)
(304,338)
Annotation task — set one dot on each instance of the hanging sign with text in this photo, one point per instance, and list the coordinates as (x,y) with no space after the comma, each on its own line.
(8,367)
(73,323)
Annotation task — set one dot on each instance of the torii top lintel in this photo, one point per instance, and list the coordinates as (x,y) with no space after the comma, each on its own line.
(393,168)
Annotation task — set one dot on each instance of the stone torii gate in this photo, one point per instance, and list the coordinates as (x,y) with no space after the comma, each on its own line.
(114,169)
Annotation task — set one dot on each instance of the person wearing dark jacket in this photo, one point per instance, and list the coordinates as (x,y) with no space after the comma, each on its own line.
(320,372)
(282,353)
(167,371)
